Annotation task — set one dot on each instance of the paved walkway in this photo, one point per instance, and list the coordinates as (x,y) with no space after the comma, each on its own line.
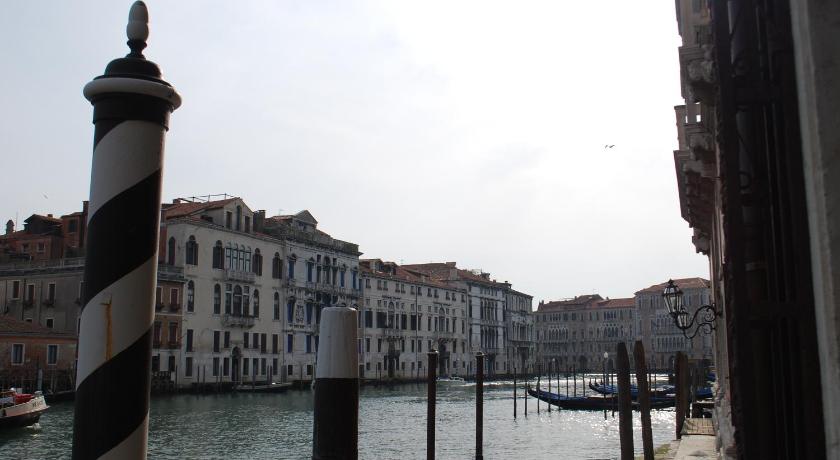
(696,446)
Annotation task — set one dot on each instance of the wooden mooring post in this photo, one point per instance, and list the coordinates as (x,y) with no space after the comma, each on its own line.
(514,392)
(681,383)
(479,406)
(625,409)
(643,399)
(549,386)
(431,384)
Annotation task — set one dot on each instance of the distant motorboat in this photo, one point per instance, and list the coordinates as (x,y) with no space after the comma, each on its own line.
(20,409)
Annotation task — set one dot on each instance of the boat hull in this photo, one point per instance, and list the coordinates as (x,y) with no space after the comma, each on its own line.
(24,414)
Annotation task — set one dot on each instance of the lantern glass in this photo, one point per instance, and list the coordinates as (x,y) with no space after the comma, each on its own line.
(673,298)
(682,319)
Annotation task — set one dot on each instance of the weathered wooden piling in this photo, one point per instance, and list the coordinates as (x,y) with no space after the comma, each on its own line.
(680,393)
(549,385)
(336,419)
(431,387)
(643,399)
(574,381)
(625,409)
(538,388)
(514,392)
(479,406)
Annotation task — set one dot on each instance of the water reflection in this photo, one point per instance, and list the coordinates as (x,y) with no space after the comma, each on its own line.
(392,425)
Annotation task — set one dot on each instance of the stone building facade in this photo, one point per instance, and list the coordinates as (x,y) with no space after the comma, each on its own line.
(658,331)
(485,301)
(406,314)
(520,349)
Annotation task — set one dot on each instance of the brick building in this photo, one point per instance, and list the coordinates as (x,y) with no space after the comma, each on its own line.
(35,357)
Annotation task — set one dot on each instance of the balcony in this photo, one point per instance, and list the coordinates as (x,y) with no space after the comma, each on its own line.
(174,307)
(159,305)
(171,273)
(238,321)
(392,332)
(48,302)
(173,344)
(240,276)
(698,73)
(156,343)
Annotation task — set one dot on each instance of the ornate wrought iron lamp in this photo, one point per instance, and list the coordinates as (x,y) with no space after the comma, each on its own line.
(707,314)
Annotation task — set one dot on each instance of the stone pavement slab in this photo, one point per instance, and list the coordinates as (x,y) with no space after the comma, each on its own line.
(696,446)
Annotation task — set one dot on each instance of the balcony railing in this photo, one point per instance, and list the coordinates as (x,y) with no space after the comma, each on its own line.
(174,307)
(173,345)
(159,306)
(239,275)
(237,321)
(170,273)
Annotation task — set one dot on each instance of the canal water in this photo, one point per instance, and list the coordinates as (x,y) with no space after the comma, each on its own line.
(392,425)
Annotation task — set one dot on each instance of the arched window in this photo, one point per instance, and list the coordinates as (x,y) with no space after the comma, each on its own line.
(276,305)
(218,255)
(257,266)
(170,251)
(192,251)
(217,299)
(237,301)
(276,266)
(256,303)
(190,296)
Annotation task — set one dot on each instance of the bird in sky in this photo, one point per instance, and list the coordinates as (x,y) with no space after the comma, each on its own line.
(609,146)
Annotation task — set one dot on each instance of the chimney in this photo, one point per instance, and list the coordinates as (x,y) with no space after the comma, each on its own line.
(451,264)
(10,227)
(259,220)
(49,215)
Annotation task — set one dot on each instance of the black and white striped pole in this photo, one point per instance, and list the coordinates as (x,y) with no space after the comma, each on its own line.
(131,107)
(335,431)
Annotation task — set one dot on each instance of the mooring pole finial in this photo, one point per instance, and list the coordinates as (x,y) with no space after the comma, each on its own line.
(137,29)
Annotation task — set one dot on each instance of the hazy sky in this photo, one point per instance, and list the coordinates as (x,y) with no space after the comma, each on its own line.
(423,131)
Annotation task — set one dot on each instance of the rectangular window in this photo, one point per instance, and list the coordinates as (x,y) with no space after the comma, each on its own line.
(51,292)
(171,364)
(173,297)
(188,364)
(273,366)
(308,369)
(52,355)
(256,340)
(245,362)
(245,339)
(16,290)
(262,366)
(379,345)
(189,340)
(226,367)
(215,366)
(216,341)
(291,270)
(30,292)
(173,334)
(275,343)
(290,306)
(227,339)
(367,344)
(308,343)
(263,343)
(50,323)
(290,370)
(290,343)
(17,354)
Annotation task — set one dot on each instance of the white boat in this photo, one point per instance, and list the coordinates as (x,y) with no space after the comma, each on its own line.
(20,409)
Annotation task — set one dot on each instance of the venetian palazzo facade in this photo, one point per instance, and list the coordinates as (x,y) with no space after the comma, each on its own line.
(255,288)
(756,166)
(404,315)
(486,308)
(238,296)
